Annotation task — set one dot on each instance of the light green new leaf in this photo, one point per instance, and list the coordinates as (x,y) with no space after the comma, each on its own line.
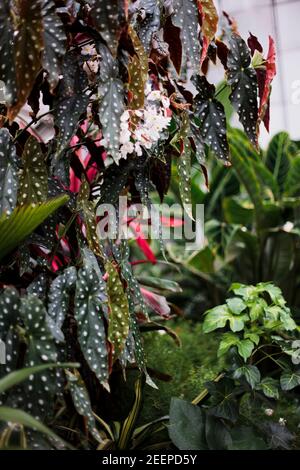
(236,305)
(245,348)
(228,340)
(23,221)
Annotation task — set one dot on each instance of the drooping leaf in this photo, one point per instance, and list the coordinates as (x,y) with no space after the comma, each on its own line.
(118,326)
(28,46)
(243,81)
(39,389)
(184,166)
(58,301)
(71,101)
(109,18)
(290,379)
(8,173)
(148,21)
(54,42)
(33,187)
(111,105)
(187,425)
(216,433)
(185,17)
(7,59)
(209,17)
(211,115)
(269,386)
(138,72)
(82,402)
(89,299)
(264,105)
(23,221)
(89,215)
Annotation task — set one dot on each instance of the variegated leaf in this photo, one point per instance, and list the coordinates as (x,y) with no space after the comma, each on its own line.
(7,58)
(109,18)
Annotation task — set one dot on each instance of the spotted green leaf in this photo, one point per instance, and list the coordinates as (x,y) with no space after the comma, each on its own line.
(243,81)
(7,59)
(111,105)
(211,115)
(28,47)
(185,17)
(138,72)
(33,187)
(8,173)
(89,216)
(54,42)
(82,402)
(89,298)
(58,300)
(109,18)
(71,100)
(118,327)
(39,389)
(184,166)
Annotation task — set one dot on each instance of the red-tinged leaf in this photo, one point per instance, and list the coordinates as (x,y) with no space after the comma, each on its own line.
(54,42)
(264,110)
(7,60)
(222,52)
(109,18)
(118,327)
(254,44)
(211,115)
(28,47)
(33,187)
(172,38)
(209,17)
(156,302)
(243,81)
(186,17)
(137,71)
(142,242)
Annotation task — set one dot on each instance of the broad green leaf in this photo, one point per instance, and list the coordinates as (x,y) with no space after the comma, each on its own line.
(18,376)
(245,348)
(187,425)
(118,326)
(33,187)
(185,17)
(28,47)
(237,211)
(251,374)
(228,340)
(269,386)
(237,323)
(161,284)
(290,379)
(89,299)
(292,180)
(245,438)
(23,221)
(243,81)
(254,337)
(7,59)
(216,318)
(111,105)
(256,309)
(223,399)
(236,305)
(8,172)
(211,115)
(82,402)
(184,166)
(54,42)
